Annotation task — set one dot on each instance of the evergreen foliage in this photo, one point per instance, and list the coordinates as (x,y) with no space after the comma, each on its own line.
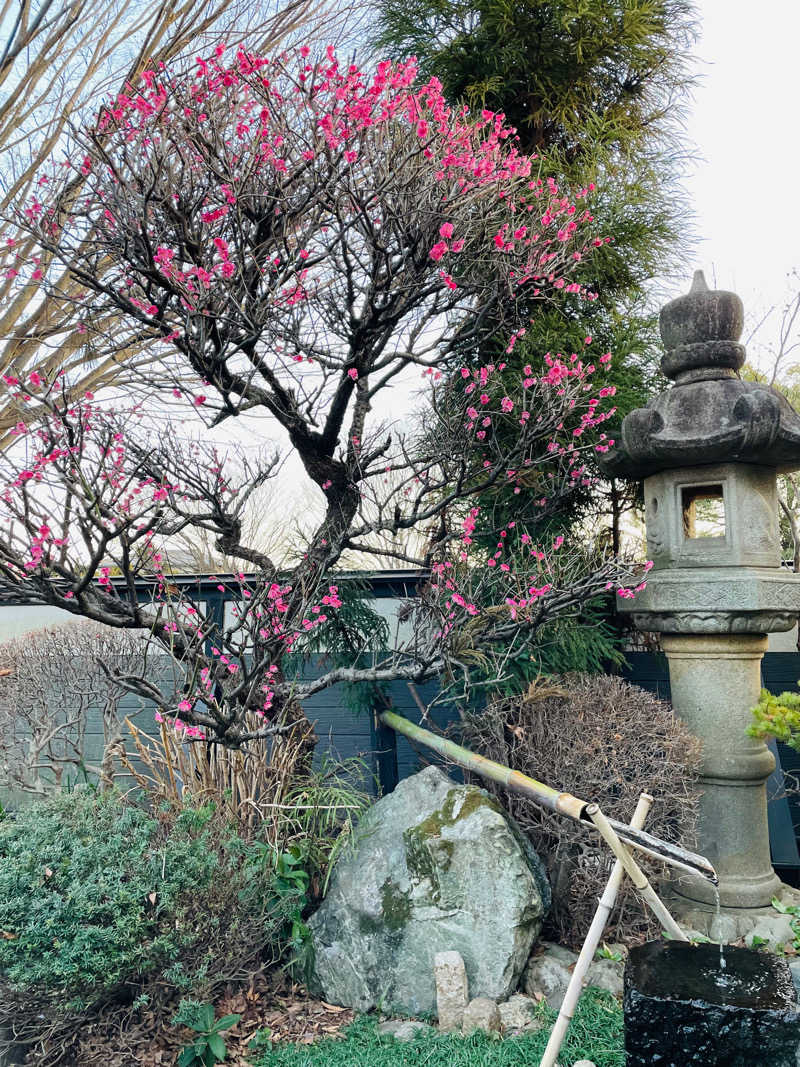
(102,904)
(84,900)
(778,717)
(596,88)
(568,73)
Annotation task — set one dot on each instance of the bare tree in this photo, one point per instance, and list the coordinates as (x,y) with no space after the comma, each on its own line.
(58,60)
(51,682)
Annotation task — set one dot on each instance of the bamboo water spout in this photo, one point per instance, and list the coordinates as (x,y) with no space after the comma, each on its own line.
(563,803)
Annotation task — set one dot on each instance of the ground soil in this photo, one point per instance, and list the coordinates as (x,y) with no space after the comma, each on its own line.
(272,1000)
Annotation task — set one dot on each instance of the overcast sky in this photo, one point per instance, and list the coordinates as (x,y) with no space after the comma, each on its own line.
(745,125)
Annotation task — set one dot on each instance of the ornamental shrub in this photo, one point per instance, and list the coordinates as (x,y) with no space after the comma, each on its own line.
(778,717)
(94,893)
(103,904)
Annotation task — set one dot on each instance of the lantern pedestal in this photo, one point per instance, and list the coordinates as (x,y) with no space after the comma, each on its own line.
(716,680)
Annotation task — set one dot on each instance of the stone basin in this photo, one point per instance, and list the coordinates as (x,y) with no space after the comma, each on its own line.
(682,1008)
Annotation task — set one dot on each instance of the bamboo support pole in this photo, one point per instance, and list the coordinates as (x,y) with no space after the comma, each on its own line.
(607,901)
(635,873)
(561,803)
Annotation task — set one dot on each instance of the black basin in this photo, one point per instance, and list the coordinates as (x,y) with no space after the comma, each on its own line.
(683,1009)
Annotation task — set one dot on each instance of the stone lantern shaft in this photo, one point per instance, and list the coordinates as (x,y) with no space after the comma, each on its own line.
(709,450)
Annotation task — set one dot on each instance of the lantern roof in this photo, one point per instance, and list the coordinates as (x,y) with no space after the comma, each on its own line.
(709,415)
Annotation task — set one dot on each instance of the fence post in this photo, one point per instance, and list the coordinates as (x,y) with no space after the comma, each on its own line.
(383,742)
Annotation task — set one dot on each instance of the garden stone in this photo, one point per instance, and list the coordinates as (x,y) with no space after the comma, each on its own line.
(452,991)
(557,952)
(549,974)
(583,1063)
(518,1014)
(774,929)
(794,967)
(481,1014)
(434,867)
(403,1030)
(605,974)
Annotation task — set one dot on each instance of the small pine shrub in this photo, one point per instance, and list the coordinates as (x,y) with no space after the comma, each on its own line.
(778,717)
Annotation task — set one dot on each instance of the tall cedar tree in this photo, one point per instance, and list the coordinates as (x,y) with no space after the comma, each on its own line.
(596,88)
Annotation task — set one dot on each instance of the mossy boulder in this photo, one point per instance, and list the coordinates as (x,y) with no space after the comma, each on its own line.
(436,867)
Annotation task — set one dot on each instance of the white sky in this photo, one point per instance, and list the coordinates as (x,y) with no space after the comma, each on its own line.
(744,186)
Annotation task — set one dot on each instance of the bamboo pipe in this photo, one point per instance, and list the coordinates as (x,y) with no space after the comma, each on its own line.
(635,873)
(562,803)
(607,901)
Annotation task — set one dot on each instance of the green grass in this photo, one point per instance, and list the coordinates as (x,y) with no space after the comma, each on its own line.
(595,1034)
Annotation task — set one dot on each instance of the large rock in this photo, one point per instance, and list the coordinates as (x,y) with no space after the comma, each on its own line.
(436,867)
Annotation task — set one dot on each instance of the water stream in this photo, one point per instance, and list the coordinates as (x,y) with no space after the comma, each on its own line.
(715,926)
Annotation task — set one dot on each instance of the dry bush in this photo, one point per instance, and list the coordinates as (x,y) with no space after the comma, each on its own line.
(265,791)
(605,741)
(51,682)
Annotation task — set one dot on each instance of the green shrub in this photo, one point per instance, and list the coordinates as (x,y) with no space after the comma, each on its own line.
(778,717)
(94,893)
(103,905)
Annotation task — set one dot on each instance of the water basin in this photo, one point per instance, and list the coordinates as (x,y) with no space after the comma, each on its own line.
(683,1009)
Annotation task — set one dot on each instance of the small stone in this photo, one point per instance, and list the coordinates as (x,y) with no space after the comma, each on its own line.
(774,929)
(452,994)
(583,1063)
(403,1030)
(605,974)
(557,952)
(519,1014)
(724,929)
(549,977)
(481,1014)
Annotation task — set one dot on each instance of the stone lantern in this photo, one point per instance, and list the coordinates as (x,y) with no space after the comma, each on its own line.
(709,450)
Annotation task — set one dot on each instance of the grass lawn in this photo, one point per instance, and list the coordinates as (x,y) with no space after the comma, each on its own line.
(595,1034)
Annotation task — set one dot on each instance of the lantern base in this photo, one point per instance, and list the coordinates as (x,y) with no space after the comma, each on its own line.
(731,924)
